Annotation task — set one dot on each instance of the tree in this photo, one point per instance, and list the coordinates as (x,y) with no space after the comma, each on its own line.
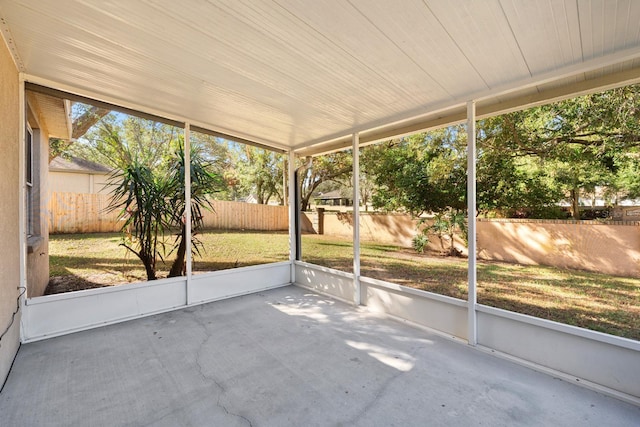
(419,174)
(140,197)
(152,201)
(260,173)
(447,224)
(581,142)
(528,161)
(83,118)
(216,152)
(334,167)
(116,139)
(204,182)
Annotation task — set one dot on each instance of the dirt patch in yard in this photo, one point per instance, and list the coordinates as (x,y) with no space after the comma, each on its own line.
(71,283)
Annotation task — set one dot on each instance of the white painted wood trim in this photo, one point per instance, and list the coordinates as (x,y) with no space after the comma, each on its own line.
(22,214)
(45,299)
(55,315)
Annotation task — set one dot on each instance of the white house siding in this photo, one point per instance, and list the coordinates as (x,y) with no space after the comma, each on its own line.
(78,182)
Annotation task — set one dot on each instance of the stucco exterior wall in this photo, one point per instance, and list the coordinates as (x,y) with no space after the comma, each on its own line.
(609,248)
(9,209)
(585,245)
(394,229)
(67,182)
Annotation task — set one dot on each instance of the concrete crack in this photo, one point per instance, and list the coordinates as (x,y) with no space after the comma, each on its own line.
(211,378)
(375,399)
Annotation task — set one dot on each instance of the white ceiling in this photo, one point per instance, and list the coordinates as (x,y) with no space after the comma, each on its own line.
(306,74)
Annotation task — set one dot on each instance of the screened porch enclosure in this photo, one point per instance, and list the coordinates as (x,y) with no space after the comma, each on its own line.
(306,79)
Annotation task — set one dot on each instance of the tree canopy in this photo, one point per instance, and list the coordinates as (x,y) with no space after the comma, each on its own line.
(333,167)
(532,159)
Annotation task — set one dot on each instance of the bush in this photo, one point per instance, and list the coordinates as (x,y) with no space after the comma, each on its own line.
(420,242)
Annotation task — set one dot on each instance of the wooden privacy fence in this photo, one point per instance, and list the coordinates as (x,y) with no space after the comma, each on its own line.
(81,213)
(87,213)
(246,216)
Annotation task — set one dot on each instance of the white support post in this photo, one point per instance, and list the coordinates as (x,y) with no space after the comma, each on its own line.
(187,204)
(356,219)
(471,215)
(22,211)
(285,180)
(292,215)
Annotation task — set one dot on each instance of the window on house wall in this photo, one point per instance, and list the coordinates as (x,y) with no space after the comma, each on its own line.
(29,181)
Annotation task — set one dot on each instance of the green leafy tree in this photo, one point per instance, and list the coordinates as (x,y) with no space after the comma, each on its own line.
(423,173)
(334,167)
(446,225)
(83,118)
(116,139)
(217,153)
(260,173)
(582,143)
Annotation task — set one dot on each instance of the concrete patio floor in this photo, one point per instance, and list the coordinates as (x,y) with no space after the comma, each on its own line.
(285,357)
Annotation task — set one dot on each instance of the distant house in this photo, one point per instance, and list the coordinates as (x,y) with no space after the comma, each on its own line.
(332,198)
(251,198)
(77,175)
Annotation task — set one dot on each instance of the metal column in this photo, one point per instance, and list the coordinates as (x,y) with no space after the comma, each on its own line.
(357,300)
(471,215)
(293,212)
(187,203)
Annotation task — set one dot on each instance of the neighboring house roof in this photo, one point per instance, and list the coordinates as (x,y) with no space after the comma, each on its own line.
(77,165)
(335,194)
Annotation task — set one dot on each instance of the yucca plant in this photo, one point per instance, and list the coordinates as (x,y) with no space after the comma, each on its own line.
(140,197)
(152,203)
(446,224)
(203,183)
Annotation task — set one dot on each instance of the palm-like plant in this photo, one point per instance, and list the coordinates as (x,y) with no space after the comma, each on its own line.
(203,183)
(152,202)
(140,196)
(447,224)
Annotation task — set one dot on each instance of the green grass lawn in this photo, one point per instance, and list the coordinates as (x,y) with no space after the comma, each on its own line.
(590,300)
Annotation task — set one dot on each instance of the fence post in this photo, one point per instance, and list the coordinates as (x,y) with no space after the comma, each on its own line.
(320,219)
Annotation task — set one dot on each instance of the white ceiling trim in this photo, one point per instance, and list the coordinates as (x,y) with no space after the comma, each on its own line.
(384,126)
(7,38)
(297,75)
(155,112)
